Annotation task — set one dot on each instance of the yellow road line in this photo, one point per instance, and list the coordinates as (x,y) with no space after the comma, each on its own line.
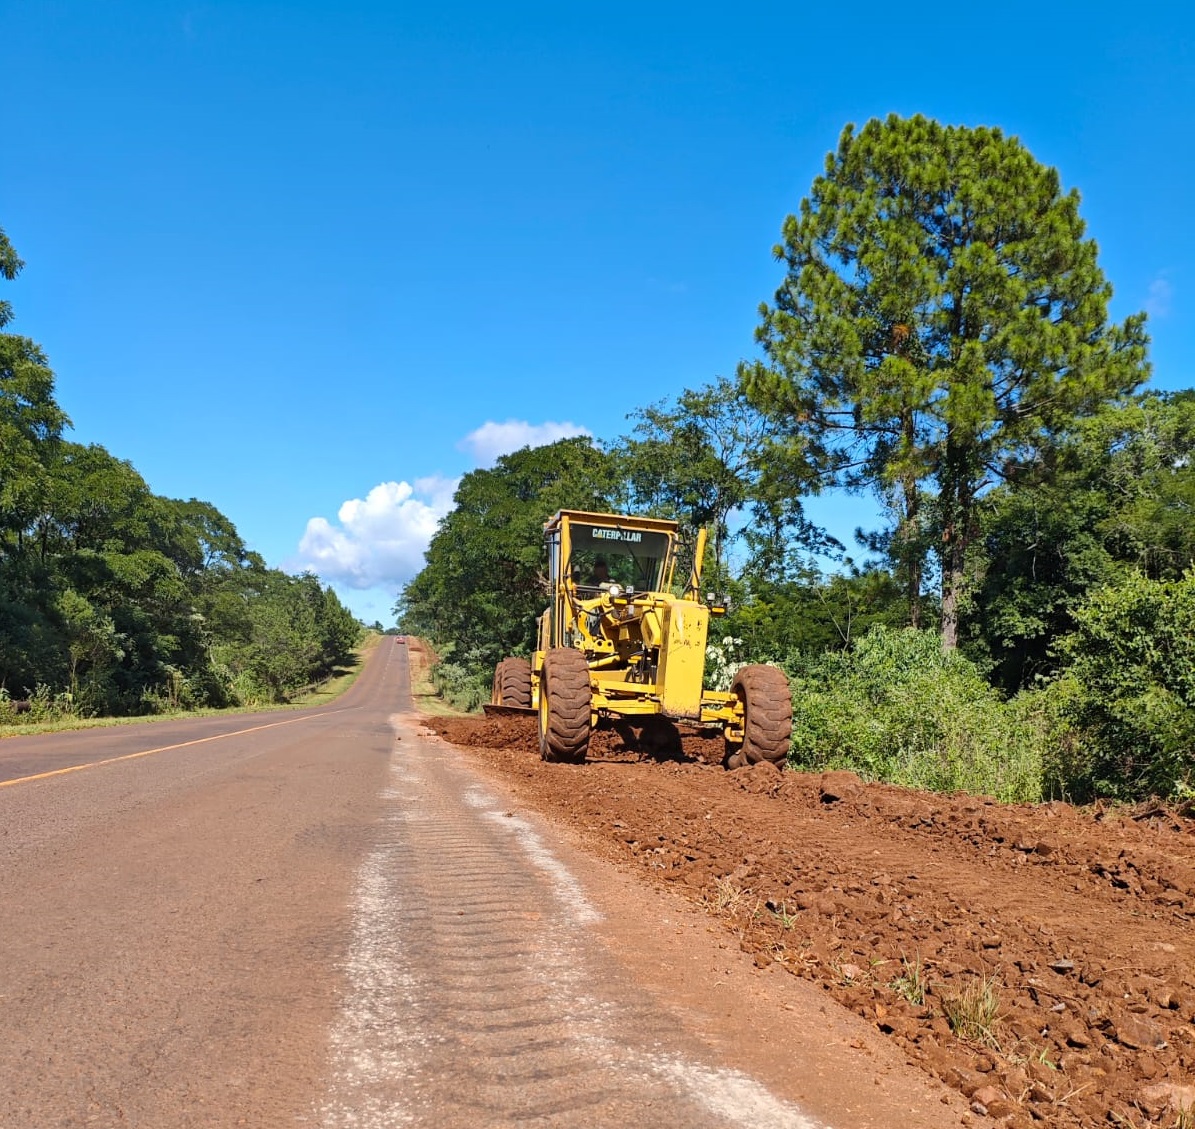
(163,749)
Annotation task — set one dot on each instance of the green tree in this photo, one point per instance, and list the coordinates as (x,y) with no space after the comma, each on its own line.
(809,613)
(484,581)
(10,267)
(128,600)
(30,420)
(32,643)
(97,501)
(942,313)
(1130,687)
(204,542)
(95,649)
(273,634)
(1140,454)
(1115,494)
(699,459)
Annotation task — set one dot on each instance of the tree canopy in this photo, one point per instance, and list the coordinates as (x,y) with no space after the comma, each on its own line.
(1113,496)
(942,316)
(701,460)
(484,581)
(116,600)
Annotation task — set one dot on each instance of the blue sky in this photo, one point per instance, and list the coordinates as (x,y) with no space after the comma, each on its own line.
(311,262)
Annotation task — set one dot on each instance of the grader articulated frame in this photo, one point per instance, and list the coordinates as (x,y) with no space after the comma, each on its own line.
(616,644)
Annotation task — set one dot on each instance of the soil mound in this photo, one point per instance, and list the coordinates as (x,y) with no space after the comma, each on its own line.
(1039,958)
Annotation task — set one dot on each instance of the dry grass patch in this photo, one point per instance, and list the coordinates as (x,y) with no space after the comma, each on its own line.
(974,1011)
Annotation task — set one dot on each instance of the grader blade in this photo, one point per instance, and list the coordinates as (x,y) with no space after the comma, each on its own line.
(492,710)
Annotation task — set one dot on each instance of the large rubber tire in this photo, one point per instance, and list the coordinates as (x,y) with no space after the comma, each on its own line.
(767,715)
(512,683)
(564,706)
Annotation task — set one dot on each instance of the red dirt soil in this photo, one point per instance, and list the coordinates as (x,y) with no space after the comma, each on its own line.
(906,906)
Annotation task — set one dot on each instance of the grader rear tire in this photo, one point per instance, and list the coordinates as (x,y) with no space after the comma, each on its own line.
(767,715)
(564,706)
(512,683)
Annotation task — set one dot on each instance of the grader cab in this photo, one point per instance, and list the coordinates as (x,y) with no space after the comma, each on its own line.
(617,645)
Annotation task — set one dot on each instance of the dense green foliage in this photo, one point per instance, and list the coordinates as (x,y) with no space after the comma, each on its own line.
(942,315)
(810,612)
(1114,495)
(700,460)
(114,600)
(1130,689)
(896,708)
(940,340)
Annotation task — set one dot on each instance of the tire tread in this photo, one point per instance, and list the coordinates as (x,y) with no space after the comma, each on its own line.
(512,683)
(565,681)
(768,714)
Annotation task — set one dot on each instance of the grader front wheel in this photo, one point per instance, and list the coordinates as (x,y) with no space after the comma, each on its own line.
(564,706)
(512,684)
(767,716)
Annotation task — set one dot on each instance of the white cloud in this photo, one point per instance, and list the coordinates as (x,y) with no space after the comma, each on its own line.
(376,544)
(1161,294)
(377,541)
(492,439)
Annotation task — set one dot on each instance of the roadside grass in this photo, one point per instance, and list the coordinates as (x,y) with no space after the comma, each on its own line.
(911,982)
(421,658)
(341,679)
(728,898)
(785,919)
(325,692)
(896,709)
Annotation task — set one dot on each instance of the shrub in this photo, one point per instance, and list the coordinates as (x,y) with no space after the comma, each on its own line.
(246,690)
(462,686)
(1131,694)
(896,709)
(1047,714)
(42,705)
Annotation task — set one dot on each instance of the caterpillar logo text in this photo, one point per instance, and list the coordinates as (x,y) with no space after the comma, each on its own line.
(627,535)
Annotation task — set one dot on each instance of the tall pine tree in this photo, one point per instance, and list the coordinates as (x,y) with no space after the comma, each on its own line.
(941,316)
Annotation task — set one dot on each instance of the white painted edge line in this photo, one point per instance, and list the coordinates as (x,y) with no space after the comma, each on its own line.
(730,1094)
(726,1093)
(570,892)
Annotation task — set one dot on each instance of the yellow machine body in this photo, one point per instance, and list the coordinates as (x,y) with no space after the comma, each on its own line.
(644,644)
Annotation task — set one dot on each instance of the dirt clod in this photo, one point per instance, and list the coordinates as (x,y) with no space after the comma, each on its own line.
(835,786)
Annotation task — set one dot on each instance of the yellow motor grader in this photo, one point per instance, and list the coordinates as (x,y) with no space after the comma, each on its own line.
(616,645)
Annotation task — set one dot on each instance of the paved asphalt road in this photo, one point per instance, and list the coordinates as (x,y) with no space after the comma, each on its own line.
(314,918)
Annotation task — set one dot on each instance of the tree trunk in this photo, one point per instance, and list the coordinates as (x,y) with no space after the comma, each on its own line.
(957,532)
(909,548)
(911,551)
(952,582)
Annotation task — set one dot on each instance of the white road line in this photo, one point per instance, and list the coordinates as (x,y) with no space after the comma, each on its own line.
(382,1038)
(727,1093)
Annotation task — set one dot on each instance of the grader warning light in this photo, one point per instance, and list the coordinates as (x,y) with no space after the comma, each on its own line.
(617,644)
